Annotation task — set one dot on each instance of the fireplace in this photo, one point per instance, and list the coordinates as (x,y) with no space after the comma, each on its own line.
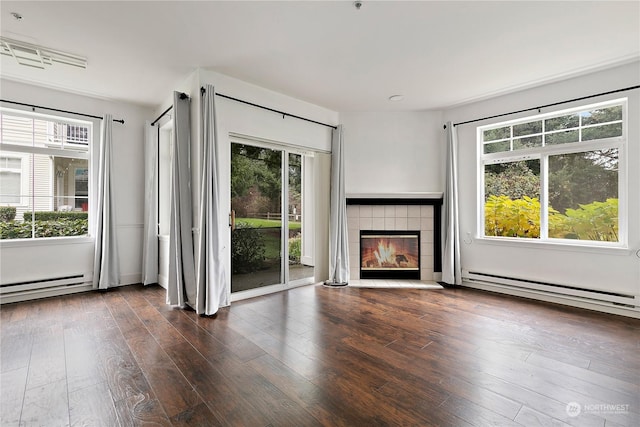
(387,254)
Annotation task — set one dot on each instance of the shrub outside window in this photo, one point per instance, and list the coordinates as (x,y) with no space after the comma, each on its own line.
(555,177)
(44,175)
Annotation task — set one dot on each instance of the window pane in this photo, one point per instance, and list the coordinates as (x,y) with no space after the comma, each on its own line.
(497,147)
(559,123)
(10,163)
(532,141)
(10,187)
(602,115)
(70,183)
(495,134)
(561,137)
(50,223)
(583,196)
(42,181)
(17,130)
(604,131)
(527,128)
(512,193)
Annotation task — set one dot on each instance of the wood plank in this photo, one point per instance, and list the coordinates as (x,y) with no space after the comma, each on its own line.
(141,410)
(198,416)
(92,406)
(46,405)
(12,387)
(47,363)
(171,388)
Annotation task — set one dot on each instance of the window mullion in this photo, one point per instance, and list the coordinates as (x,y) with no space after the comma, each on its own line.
(544,197)
(32,181)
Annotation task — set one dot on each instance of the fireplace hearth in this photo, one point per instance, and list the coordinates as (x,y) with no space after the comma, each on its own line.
(387,254)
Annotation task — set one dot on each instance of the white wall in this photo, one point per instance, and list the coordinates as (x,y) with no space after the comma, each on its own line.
(600,269)
(41,261)
(393,152)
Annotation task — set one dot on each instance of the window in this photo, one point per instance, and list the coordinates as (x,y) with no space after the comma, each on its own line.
(64,133)
(11,179)
(44,175)
(555,177)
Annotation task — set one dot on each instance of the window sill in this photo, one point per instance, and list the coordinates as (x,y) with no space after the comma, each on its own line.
(47,241)
(547,245)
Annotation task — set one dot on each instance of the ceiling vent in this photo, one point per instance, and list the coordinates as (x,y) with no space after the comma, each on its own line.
(36,56)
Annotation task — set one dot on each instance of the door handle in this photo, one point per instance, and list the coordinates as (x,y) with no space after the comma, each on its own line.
(232,220)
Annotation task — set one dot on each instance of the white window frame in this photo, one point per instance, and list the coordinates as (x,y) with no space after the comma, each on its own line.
(543,153)
(79,151)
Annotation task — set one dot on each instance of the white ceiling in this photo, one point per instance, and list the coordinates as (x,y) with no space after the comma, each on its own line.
(437,54)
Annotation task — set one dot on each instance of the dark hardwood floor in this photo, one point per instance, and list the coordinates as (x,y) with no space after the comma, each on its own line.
(317,356)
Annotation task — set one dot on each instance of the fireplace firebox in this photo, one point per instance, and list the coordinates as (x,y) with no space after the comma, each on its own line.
(389,254)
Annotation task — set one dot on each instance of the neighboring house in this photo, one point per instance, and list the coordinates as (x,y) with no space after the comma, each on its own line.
(43,163)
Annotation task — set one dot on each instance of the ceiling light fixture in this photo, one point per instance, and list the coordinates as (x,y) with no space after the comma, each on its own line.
(36,56)
(396,98)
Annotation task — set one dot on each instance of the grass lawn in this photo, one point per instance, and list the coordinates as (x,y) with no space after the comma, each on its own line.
(267,223)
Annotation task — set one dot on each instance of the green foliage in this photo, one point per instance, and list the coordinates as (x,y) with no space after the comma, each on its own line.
(295,249)
(596,221)
(55,215)
(267,223)
(579,178)
(514,180)
(7,213)
(512,218)
(57,228)
(255,166)
(247,249)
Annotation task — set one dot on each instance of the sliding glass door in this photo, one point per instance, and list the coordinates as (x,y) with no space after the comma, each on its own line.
(266,202)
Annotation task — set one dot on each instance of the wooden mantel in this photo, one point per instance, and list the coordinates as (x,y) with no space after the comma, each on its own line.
(408,198)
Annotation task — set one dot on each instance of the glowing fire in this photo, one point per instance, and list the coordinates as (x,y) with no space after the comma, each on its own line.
(385,255)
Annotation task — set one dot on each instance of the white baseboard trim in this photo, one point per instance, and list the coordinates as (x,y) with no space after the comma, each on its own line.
(130,279)
(45,293)
(532,294)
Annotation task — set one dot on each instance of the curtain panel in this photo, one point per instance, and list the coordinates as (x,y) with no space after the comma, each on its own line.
(338,238)
(451,267)
(106,267)
(213,286)
(150,237)
(181,286)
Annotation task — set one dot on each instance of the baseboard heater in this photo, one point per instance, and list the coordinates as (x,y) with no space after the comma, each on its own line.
(613,299)
(66,281)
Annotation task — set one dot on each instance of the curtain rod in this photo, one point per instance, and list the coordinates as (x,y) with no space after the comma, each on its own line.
(202,90)
(162,115)
(182,96)
(548,105)
(33,107)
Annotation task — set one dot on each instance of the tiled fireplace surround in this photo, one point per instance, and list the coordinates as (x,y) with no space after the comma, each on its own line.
(372,213)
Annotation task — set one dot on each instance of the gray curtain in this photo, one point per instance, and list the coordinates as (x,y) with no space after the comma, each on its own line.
(150,237)
(181,287)
(106,268)
(338,238)
(211,277)
(451,268)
